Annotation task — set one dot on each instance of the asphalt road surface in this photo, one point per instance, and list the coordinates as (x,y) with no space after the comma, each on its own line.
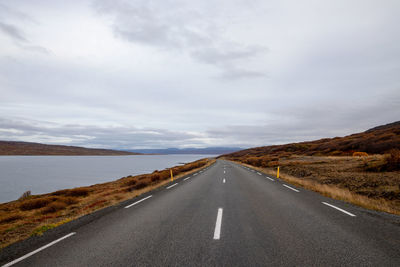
(228,215)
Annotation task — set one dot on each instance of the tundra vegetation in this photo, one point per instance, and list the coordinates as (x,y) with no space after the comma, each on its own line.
(362,168)
(34,214)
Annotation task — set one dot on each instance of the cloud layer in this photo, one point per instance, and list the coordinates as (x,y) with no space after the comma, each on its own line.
(150,74)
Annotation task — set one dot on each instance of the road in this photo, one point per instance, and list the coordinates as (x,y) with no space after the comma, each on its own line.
(228,215)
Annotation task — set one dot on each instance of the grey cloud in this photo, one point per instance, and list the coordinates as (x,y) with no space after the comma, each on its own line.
(15,33)
(312,123)
(6,11)
(176,27)
(12,32)
(228,59)
(122,137)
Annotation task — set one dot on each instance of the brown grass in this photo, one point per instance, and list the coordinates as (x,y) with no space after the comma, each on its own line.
(38,213)
(379,140)
(343,178)
(11,218)
(76,192)
(54,207)
(34,204)
(360,154)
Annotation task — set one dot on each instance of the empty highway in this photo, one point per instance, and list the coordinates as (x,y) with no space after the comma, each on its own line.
(226,215)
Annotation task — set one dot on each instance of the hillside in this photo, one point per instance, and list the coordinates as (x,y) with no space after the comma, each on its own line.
(26,149)
(378,140)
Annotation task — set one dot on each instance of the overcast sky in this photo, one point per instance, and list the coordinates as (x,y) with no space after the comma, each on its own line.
(175,73)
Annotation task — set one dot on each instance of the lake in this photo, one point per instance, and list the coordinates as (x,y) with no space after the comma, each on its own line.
(44,174)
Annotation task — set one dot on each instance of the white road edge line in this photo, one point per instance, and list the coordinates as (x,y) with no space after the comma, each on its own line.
(339,209)
(38,250)
(270,178)
(223,180)
(217,231)
(291,188)
(259,173)
(195,174)
(137,202)
(171,186)
(186,178)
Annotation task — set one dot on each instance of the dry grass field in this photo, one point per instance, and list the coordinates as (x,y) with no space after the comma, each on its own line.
(362,168)
(343,178)
(33,215)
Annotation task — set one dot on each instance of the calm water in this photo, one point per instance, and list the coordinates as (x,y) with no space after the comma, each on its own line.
(43,174)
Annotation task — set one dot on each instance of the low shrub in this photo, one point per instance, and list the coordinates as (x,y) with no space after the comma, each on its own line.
(130,183)
(10,218)
(393,160)
(34,204)
(78,192)
(139,185)
(164,175)
(54,207)
(390,163)
(155,177)
(360,154)
(68,200)
(60,192)
(25,195)
(100,202)
(273,164)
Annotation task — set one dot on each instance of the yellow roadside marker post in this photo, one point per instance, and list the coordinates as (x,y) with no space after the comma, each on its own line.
(277,174)
(172,176)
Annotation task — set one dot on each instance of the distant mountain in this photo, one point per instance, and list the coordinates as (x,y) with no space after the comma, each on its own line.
(33,149)
(377,140)
(208,150)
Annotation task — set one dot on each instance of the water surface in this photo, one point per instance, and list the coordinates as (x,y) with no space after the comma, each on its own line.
(44,174)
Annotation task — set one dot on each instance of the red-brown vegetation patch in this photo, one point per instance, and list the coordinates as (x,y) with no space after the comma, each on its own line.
(378,140)
(34,203)
(96,204)
(360,154)
(54,207)
(11,218)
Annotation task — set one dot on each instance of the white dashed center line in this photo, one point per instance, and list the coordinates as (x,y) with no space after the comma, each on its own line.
(223,180)
(38,250)
(339,209)
(171,186)
(291,188)
(217,231)
(143,199)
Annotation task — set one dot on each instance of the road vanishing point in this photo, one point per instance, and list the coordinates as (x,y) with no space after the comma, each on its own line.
(225,215)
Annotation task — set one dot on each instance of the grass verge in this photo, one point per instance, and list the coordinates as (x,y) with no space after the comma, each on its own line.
(32,215)
(342,178)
